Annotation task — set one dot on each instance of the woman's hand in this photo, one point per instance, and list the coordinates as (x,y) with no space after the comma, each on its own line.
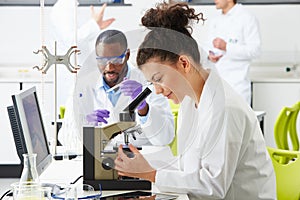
(137,166)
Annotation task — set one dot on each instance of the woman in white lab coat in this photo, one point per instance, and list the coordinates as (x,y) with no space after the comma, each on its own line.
(234,38)
(222,153)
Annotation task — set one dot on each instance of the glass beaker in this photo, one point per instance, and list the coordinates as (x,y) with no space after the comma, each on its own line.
(26,190)
(31,191)
(29,173)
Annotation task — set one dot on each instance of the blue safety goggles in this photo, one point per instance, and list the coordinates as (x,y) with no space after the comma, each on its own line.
(115,60)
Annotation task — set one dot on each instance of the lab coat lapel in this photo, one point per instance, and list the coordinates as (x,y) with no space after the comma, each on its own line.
(186,117)
(199,120)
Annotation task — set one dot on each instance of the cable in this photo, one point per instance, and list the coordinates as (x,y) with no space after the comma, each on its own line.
(76,179)
(6,193)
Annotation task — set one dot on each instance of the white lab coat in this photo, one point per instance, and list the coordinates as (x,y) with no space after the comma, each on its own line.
(222,153)
(83,98)
(157,130)
(240,30)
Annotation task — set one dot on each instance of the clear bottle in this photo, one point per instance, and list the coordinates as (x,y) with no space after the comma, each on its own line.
(29,174)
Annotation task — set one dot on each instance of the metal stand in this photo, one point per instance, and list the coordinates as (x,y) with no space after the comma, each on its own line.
(48,61)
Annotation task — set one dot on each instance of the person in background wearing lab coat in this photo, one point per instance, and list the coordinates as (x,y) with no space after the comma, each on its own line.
(234,38)
(221,149)
(93,103)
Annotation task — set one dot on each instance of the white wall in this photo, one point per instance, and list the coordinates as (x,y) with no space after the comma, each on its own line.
(21,32)
(20,29)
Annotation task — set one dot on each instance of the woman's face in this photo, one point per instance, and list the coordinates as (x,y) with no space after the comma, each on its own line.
(168,79)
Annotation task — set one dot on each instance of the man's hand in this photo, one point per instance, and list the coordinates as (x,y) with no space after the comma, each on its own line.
(98,17)
(98,116)
(213,57)
(133,88)
(219,43)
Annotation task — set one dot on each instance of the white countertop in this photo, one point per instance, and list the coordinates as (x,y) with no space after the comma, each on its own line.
(274,74)
(257,74)
(19,74)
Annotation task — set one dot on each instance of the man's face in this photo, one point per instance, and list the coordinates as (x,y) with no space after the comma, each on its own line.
(220,4)
(224,5)
(111,60)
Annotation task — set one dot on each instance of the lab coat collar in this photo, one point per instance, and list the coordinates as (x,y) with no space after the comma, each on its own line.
(203,110)
(233,10)
(209,90)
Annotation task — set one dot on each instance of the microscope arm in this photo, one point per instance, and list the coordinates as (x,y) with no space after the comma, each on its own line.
(111,129)
(132,131)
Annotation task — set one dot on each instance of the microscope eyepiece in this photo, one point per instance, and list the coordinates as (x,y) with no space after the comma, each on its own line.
(134,104)
(128,113)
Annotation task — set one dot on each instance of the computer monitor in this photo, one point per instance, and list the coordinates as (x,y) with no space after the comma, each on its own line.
(28,128)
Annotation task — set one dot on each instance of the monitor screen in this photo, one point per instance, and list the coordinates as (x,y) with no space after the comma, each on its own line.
(28,128)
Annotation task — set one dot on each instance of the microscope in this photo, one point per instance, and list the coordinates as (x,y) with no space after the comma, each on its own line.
(98,160)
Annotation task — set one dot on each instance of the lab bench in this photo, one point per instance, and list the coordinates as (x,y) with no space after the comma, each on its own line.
(59,172)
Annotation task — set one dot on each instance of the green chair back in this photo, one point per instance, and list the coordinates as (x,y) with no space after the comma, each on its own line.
(287,174)
(173,144)
(293,126)
(286,127)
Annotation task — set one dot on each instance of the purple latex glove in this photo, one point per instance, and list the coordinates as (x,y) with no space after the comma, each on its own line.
(133,89)
(98,116)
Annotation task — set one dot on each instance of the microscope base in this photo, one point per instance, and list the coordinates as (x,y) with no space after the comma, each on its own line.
(95,171)
(130,184)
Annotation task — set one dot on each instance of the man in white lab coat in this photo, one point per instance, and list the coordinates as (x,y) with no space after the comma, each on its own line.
(234,38)
(89,90)
(92,103)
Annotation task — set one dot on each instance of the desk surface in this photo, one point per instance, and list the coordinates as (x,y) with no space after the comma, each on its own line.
(63,172)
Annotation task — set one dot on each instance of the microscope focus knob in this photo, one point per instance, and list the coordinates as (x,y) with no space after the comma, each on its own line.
(108,163)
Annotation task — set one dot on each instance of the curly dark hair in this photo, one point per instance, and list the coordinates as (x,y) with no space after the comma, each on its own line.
(170,33)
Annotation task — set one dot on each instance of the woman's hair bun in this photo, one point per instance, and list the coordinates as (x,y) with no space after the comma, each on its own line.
(174,16)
